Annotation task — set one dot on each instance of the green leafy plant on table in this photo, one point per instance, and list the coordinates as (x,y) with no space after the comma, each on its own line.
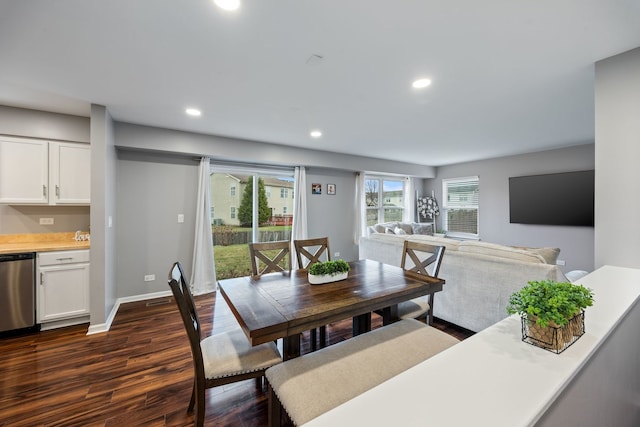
(329,267)
(550,303)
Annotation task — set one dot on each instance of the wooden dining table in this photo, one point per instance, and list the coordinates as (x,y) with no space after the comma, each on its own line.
(284,304)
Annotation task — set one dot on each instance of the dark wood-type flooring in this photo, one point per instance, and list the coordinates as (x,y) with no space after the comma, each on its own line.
(138,373)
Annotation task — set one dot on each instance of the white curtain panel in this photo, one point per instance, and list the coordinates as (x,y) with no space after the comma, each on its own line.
(203,272)
(360,225)
(409,200)
(299,228)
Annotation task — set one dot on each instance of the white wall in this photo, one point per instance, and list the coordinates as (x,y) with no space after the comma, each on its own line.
(576,243)
(617,218)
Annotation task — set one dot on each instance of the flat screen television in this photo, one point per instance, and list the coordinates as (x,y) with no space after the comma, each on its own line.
(553,199)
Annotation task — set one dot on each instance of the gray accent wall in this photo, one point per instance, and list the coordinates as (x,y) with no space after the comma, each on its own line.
(576,243)
(333,215)
(617,99)
(103,202)
(152,189)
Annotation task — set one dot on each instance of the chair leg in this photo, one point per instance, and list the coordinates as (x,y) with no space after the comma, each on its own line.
(192,402)
(274,408)
(199,415)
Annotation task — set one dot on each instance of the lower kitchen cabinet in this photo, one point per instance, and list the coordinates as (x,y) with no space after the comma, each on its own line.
(63,288)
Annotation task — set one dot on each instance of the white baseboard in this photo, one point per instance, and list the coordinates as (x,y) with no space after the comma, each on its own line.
(104,327)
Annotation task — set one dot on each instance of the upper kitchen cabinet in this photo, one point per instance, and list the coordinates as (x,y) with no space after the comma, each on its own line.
(36,172)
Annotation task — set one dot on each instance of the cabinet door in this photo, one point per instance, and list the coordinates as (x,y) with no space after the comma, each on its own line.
(70,178)
(24,171)
(63,292)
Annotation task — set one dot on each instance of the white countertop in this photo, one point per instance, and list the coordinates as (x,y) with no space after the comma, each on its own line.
(492,378)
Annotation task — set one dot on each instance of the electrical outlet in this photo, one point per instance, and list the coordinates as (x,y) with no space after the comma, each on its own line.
(149,277)
(46,221)
(336,254)
(180,218)
(561,262)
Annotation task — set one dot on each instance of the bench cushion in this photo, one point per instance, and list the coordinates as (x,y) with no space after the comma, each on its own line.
(315,383)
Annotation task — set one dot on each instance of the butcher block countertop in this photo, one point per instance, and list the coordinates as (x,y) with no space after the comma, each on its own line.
(45,242)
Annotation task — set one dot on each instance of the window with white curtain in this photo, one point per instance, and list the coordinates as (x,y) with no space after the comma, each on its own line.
(234,224)
(384,199)
(460,206)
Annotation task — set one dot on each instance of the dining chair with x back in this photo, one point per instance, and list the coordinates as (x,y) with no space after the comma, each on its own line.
(308,252)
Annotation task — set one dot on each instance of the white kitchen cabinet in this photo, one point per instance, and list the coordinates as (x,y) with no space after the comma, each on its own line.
(36,172)
(63,288)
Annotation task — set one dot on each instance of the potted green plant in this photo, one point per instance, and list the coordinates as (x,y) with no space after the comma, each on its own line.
(328,271)
(552,312)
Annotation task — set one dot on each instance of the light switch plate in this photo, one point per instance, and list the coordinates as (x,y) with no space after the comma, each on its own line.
(180,218)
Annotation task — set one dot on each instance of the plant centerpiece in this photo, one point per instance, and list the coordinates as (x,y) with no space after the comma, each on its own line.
(552,312)
(328,271)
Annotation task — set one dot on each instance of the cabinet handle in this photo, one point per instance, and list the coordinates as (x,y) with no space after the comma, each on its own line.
(57,191)
(42,278)
(44,190)
(64,259)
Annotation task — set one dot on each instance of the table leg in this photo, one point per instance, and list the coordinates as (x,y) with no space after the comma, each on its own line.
(291,346)
(390,315)
(361,324)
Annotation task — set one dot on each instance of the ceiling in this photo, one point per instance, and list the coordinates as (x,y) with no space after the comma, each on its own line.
(508,77)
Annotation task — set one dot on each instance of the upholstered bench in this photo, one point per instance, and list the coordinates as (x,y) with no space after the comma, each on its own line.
(310,385)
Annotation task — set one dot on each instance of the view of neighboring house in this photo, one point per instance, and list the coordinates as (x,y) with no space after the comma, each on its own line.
(226,197)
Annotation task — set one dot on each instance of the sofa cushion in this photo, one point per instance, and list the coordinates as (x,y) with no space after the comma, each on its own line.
(449,244)
(389,230)
(550,255)
(500,251)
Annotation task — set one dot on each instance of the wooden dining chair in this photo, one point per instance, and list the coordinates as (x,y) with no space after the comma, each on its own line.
(308,252)
(416,258)
(270,257)
(218,359)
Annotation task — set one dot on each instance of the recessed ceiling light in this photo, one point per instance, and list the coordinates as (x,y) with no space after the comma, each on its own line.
(315,134)
(227,4)
(193,112)
(421,83)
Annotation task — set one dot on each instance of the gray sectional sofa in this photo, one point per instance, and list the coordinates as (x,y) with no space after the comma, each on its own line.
(479,276)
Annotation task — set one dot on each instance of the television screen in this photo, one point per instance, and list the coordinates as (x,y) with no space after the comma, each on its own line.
(553,199)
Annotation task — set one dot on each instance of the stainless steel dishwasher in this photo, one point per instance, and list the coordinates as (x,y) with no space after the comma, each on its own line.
(17,291)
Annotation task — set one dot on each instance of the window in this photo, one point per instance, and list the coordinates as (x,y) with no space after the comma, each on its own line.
(460,206)
(234,224)
(391,192)
(284,193)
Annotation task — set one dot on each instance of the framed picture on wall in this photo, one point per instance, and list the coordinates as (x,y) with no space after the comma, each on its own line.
(331,189)
(316,188)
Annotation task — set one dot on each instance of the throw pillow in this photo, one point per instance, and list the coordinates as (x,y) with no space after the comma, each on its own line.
(426,229)
(406,227)
(379,228)
(399,230)
(388,231)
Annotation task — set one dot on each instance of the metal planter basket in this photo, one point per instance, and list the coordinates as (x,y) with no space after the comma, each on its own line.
(553,338)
